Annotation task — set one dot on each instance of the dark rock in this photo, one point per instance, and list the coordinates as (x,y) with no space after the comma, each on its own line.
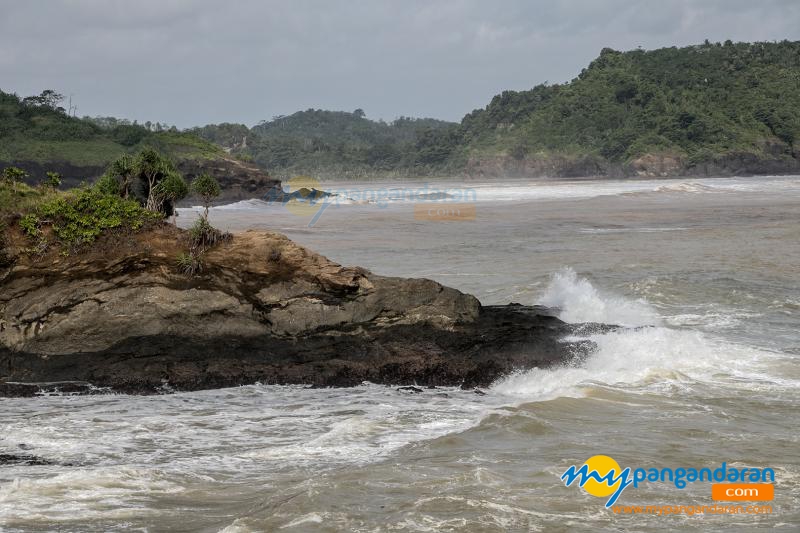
(49,389)
(29,460)
(127,320)
(238,180)
(409,388)
(71,175)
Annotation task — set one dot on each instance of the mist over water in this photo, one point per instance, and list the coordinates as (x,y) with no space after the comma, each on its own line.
(702,273)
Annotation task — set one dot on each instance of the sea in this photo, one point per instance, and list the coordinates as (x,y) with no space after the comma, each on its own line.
(702,273)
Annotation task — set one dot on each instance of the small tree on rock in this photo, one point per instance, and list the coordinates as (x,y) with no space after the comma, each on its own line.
(168,192)
(52,180)
(13,175)
(152,167)
(150,177)
(207,188)
(124,171)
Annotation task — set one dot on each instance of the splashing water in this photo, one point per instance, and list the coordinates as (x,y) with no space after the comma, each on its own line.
(644,355)
(579,301)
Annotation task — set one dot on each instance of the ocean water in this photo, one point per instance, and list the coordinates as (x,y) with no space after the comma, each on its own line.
(704,274)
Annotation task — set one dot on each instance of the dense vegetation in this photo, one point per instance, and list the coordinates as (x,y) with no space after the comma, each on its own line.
(81,216)
(700,101)
(52,219)
(149,177)
(134,190)
(37,129)
(331,142)
(697,103)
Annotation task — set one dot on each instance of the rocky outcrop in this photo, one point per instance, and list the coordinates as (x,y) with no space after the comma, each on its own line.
(747,164)
(73,175)
(263,310)
(533,166)
(238,180)
(658,165)
(774,159)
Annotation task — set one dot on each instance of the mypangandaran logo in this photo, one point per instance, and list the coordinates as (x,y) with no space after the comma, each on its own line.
(602,476)
(304,196)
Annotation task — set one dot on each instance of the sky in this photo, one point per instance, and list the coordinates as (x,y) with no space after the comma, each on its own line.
(195,62)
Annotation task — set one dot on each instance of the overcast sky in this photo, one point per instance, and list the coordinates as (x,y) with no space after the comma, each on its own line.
(191,62)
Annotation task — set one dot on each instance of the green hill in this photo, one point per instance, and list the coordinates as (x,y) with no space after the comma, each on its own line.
(699,104)
(334,143)
(714,108)
(39,135)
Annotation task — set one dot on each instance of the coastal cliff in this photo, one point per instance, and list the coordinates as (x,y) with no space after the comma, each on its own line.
(650,165)
(121,315)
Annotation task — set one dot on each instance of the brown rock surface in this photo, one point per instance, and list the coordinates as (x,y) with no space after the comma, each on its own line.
(263,309)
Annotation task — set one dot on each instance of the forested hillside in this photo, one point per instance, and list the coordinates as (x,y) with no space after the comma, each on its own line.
(712,108)
(699,104)
(331,142)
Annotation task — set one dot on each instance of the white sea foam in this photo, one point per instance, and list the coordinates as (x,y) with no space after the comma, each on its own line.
(358,193)
(648,356)
(580,301)
(688,187)
(88,493)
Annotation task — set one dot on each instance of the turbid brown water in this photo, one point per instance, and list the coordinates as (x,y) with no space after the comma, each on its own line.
(708,268)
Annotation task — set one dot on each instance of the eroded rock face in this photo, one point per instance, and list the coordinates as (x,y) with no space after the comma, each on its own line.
(775,158)
(238,180)
(263,310)
(659,165)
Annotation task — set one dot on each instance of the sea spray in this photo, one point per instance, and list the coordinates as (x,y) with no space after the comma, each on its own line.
(579,301)
(643,354)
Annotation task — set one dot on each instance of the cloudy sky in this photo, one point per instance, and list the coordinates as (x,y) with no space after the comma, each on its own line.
(189,62)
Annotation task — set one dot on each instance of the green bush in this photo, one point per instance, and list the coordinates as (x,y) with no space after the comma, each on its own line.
(107,184)
(22,198)
(189,263)
(30,225)
(81,217)
(203,235)
(52,180)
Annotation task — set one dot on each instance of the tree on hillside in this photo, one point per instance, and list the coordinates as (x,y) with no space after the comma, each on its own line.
(152,167)
(13,175)
(124,171)
(168,192)
(48,98)
(207,188)
(52,180)
(150,177)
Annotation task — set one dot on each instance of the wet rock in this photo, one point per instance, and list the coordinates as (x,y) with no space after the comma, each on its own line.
(29,460)
(124,318)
